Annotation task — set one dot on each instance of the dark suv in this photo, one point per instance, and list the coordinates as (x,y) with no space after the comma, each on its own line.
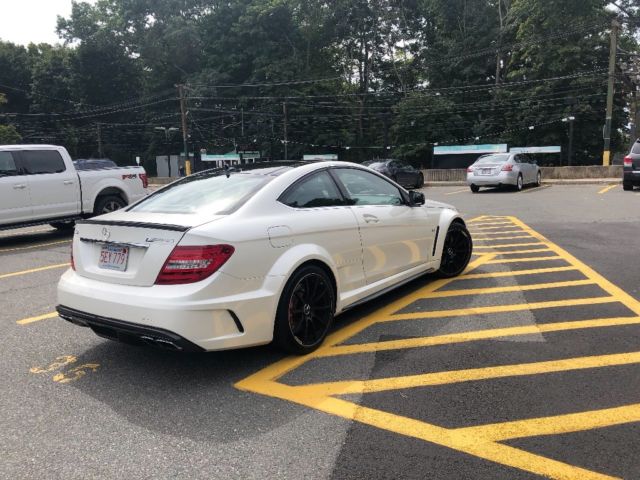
(631,169)
(399,172)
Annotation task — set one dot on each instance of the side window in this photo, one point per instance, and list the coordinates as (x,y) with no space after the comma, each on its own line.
(636,147)
(317,190)
(42,161)
(365,188)
(7,164)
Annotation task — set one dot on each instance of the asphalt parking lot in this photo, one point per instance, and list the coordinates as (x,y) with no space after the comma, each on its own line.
(527,366)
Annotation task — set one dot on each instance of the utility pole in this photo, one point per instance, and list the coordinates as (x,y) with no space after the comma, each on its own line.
(606,156)
(286,140)
(100,149)
(242,121)
(185,136)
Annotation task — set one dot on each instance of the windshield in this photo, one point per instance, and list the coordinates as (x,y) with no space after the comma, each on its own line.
(214,195)
(493,159)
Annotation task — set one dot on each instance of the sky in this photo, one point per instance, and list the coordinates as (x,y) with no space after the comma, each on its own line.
(25,21)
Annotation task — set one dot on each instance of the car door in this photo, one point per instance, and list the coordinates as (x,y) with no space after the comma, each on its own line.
(525,168)
(15,201)
(55,189)
(395,237)
(320,215)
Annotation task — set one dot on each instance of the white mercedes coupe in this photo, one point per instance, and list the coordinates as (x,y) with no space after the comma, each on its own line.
(248,255)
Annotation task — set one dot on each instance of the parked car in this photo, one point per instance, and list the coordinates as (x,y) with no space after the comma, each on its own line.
(503,169)
(400,172)
(242,256)
(40,184)
(631,168)
(93,163)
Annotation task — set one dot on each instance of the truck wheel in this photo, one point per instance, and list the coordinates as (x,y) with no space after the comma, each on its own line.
(107,204)
(627,186)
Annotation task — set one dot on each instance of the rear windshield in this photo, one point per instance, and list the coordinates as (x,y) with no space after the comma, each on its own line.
(636,148)
(493,159)
(210,194)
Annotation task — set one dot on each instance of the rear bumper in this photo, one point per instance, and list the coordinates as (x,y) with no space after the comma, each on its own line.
(127,332)
(502,178)
(224,314)
(631,177)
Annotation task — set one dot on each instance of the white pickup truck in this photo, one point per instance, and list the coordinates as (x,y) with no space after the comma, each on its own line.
(39,184)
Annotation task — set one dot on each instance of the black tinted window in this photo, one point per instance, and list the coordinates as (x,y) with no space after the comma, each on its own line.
(42,161)
(7,164)
(317,190)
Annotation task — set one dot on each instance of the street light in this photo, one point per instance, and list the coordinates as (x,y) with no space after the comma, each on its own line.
(167,132)
(570,119)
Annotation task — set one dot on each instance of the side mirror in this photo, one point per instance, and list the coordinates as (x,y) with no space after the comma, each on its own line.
(416,198)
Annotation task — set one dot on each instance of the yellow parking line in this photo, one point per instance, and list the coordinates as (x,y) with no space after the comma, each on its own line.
(15,249)
(346,387)
(510,245)
(516,307)
(507,289)
(606,189)
(484,224)
(33,270)
(26,321)
(557,424)
(511,273)
(476,239)
(494,227)
(500,233)
(526,259)
(474,336)
(457,191)
(517,252)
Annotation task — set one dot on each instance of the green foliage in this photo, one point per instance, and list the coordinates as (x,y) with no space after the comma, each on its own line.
(382,77)
(9,135)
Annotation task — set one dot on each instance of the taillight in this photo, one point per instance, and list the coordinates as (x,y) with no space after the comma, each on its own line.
(469,169)
(73,263)
(628,161)
(191,264)
(145,180)
(507,168)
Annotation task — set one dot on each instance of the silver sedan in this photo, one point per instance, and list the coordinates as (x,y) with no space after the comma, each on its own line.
(503,169)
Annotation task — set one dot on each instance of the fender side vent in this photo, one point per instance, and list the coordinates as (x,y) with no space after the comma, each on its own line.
(435,242)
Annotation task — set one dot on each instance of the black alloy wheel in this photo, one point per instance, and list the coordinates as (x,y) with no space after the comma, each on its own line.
(627,187)
(456,252)
(474,188)
(539,179)
(305,311)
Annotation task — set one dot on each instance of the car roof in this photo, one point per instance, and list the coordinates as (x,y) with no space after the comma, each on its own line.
(274,168)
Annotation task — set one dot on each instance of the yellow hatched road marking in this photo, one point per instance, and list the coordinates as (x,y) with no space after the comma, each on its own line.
(524,259)
(510,245)
(606,189)
(483,229)
(515,252)
(346,387)
(15,249)
(517,307)
(475,239)
(33,270)
(507,289)
(484,224)
(515,273)
(473,336)
(26,321)
(567,423)
(478,441)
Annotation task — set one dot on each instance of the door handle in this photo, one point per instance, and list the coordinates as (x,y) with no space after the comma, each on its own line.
(19,186)
(68,182)
(370,218)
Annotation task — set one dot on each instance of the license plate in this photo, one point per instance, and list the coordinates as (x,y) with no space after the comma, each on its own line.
(486,171)
(114,257)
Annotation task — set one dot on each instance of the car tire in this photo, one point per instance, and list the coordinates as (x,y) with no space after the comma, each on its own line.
(474,188)
(519,183)
(63,226)
(305,311)
(627,187)
(456,251)
(107,204)
(539,179)
(420,182)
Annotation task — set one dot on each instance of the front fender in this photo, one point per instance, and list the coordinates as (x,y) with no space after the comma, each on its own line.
(447,217)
